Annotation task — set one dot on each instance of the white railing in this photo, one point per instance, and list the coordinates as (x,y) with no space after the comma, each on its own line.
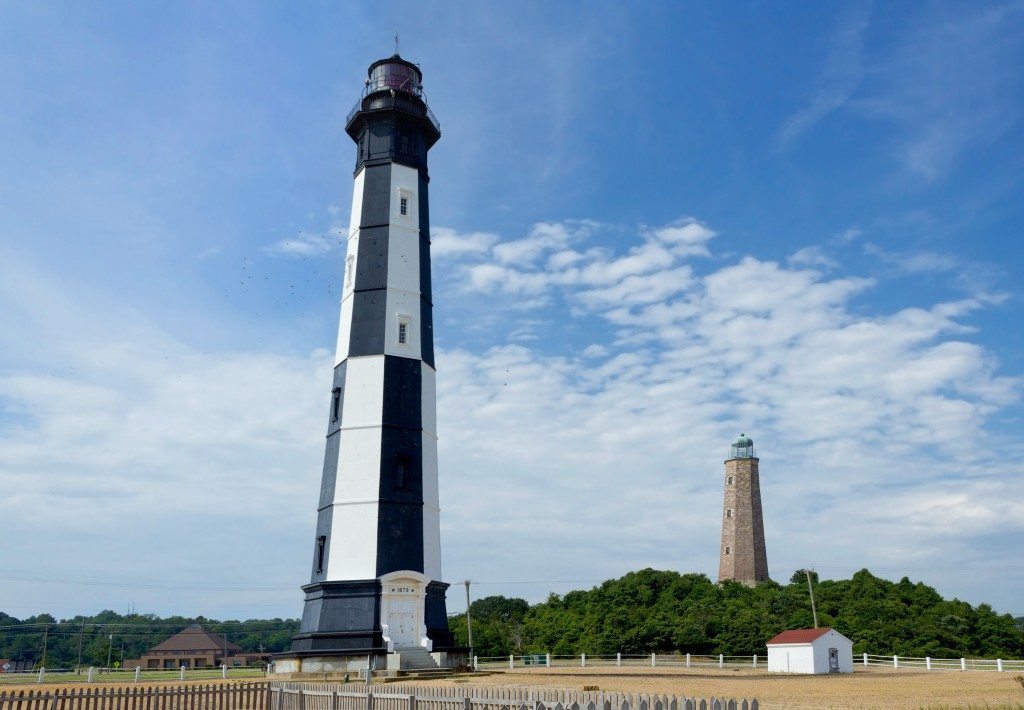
(128,675)
(998,665)
(677,660)
(658,660)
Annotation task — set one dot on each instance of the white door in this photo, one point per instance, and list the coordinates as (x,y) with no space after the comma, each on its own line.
(401,622)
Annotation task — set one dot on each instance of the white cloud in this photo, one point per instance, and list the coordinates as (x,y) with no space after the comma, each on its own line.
(851,412)
(318,243)
(914,262)
(445,242)
(544,237)
(944,85)
(116,435)
(847,235)
(841,75)
(595,462)
(647,273)
(306,244)
(686,237)
(813,256)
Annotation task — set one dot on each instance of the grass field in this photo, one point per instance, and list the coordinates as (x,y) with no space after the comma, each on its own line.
(865,688)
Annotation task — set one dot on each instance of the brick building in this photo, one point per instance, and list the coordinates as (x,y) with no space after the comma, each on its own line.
(195,647)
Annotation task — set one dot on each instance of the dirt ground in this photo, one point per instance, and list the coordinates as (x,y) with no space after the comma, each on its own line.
(865,688)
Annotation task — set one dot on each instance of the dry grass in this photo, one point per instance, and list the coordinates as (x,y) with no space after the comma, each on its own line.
(865,688)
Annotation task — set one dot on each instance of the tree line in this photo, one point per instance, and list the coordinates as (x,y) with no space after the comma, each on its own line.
(642,612)
(663,612)
(124,636)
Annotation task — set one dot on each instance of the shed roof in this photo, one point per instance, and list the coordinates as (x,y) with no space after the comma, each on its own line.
(799,636)
(195,638)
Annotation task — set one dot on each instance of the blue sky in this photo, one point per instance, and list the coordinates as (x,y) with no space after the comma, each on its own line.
(654,227)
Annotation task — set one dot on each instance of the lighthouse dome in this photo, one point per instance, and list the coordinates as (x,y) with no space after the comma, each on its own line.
(742,448)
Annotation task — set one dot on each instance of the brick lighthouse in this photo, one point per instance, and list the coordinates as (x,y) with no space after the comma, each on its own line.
(375,594)
(742,556)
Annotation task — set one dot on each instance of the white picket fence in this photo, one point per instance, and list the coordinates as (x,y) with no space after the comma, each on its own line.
(290,695)
(676,660)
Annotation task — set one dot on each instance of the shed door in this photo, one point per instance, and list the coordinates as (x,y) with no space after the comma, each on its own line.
(833,660)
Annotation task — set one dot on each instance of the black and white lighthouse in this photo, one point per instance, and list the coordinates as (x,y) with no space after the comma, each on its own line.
(375,588)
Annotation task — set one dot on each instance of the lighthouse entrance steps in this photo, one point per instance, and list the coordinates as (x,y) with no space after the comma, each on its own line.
(416,658)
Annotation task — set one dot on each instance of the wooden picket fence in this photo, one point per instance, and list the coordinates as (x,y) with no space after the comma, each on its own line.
(203,696)
(290,695)
(349,696)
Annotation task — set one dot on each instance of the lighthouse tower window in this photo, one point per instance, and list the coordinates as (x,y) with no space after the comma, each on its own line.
(403,464)
(403,206)
(403,329)
(335,404)
(728,513)
(321,542)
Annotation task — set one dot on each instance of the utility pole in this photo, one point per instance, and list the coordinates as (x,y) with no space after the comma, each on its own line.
(110,648)
(46,631)
(469,623)
(81,633)
(225,661)
(810,589)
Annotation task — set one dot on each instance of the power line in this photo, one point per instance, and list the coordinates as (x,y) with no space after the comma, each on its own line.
(136,585)
(169,622)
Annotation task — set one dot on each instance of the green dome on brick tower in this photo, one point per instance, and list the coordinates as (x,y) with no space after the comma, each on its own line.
(742,448)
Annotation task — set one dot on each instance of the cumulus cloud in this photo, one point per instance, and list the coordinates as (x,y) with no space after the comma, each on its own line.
(552,256)
(852,411)
(813,256)
(129,454)
(446,242)
(560,459)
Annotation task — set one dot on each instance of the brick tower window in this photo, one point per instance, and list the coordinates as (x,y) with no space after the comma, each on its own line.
(728,512)
(728,550)
(728,480)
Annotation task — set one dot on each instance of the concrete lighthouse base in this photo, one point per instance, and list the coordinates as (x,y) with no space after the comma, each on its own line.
(396,623)
(291,666)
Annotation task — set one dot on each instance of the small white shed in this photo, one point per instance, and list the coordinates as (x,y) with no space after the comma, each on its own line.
(810,651)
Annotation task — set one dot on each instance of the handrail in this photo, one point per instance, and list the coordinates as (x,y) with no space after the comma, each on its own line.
(389,102)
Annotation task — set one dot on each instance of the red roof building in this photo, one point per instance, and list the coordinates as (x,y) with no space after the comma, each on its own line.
(798,636)
(810,651)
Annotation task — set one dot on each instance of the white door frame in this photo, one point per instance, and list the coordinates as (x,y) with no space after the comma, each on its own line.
(404,585)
